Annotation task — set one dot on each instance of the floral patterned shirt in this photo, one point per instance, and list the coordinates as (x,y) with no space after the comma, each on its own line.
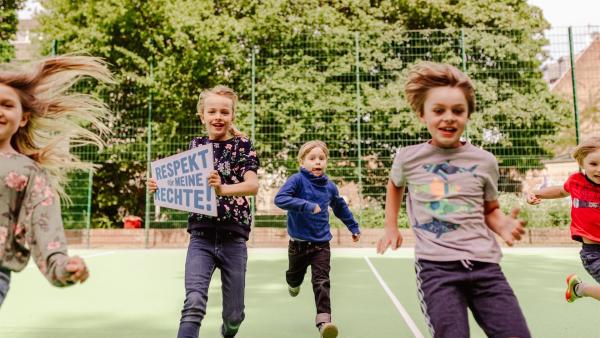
(30,219)
(232,159)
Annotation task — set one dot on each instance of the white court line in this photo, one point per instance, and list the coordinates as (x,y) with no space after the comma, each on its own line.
(411,324)
(99,254)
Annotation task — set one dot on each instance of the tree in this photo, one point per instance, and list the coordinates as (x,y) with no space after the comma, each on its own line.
(321,68)
(8,27)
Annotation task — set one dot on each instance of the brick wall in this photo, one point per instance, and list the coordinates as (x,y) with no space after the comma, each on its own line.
(276,237)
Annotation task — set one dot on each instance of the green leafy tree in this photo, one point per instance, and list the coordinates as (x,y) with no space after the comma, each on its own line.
(322,69)
(8,27)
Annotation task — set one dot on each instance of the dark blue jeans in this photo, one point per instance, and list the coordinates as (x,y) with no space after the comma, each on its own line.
(4,283)
(207,251)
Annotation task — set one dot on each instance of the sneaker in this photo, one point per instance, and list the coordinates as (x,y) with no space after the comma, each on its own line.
(572,281)
(294,291)
(328,330)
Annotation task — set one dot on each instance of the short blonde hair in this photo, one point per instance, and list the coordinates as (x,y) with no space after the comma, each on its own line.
(426,75)
(586,147)
(310,145)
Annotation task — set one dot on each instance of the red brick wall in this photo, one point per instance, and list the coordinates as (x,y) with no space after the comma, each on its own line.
(275,237)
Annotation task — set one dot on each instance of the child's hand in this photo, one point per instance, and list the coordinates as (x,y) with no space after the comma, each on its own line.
(152,186)
(77,270)
(356,237)
(514,228)
(391,237)
(317,209)
(214,180)
(532,198)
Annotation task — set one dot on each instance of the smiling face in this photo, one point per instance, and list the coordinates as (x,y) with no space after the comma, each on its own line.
(591,166)
(217,116)
(445,113)
(12,116)
(315,161)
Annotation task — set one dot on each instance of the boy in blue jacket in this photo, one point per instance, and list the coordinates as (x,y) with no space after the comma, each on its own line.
(306,196)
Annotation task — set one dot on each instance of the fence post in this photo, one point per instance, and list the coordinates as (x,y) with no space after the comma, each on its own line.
(54,47)
(252,136)
(148,157)
(463,56)
(574,84)
(88,219)
(358,121)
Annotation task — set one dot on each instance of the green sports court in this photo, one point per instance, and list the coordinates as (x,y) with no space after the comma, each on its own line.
(139,293)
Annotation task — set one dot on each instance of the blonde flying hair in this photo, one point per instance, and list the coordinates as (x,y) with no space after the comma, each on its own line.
(310,145)
(426,75)
(221,91)
(586,147)
(58,118)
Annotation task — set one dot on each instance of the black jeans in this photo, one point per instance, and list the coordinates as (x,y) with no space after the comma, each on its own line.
(317,256)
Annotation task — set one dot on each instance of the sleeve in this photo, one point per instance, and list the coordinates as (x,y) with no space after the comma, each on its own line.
(490,192)
(342,211)
(286,197)
(44,230)
(397,174)
(248,159)
(568,185)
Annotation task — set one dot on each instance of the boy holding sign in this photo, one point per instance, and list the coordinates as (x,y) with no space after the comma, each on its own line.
(218,240)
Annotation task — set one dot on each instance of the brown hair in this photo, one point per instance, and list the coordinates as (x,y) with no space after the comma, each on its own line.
(426,75)
(310,145)
(59,118)
(222,91)
(586,147)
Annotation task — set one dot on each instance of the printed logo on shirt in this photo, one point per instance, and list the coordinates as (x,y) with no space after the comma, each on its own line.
(577,203)
(445,169)
(438,227)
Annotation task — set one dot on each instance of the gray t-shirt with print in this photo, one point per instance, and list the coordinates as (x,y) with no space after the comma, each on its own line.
(446,193)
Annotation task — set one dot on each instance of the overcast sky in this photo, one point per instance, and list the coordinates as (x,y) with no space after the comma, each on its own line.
(570,13)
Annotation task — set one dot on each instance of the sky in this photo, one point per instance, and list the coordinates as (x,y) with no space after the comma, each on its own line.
(570,13)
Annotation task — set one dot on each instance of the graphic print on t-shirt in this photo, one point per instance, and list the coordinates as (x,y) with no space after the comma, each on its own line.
(439,187)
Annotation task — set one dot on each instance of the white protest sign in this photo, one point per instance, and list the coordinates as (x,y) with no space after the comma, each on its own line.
(182,181)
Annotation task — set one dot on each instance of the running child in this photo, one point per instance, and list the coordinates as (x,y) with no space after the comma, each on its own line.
(220,242)
(40,116)
(584,189)
(452,205)
(307,196)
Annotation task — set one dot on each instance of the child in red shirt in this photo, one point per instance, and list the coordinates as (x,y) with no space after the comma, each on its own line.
(584,189)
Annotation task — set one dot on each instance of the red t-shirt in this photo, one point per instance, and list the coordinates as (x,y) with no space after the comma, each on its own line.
(585,210)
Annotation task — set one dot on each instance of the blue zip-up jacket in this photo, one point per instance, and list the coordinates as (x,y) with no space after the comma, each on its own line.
(299,196)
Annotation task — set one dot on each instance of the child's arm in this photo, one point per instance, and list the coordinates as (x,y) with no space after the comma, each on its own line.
(536,196)
(392,236)
(43,230)
(342,211)
(249,187)
(286,198)
(509,228)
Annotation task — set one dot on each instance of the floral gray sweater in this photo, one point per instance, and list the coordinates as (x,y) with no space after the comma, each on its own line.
(30,219)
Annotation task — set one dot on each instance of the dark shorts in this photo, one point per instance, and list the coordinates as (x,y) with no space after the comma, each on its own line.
(590,257)
(447,289)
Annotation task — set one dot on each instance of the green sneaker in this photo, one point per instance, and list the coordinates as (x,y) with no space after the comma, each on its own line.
(294,291)
(328,330)
(570,294)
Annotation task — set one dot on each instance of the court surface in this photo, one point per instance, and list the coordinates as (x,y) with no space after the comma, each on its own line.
(139,293)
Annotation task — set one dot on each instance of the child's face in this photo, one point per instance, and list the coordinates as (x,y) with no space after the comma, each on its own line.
(315,161)
(11,115)
(217,117)
(445,112)
(591,166)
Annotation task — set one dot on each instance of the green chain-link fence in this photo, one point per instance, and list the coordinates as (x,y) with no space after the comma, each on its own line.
(346,89)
